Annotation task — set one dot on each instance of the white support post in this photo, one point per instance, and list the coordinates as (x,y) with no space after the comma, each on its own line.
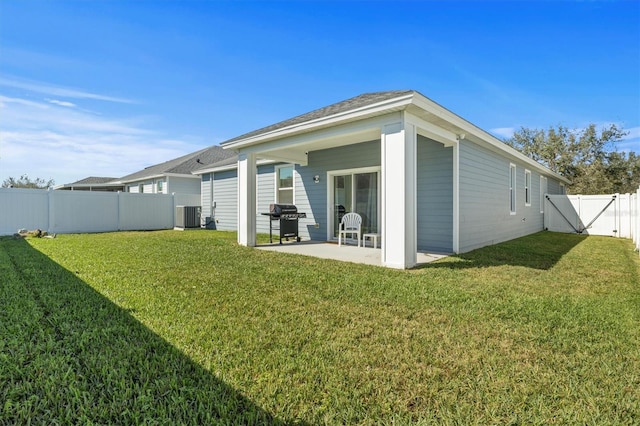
(456,196)
(247,199)
(399,218)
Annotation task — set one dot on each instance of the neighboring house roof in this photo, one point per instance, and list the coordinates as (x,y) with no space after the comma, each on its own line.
(184,165)
(231,161)
(93,182)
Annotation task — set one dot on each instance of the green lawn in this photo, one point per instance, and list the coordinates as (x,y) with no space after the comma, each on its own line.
(188,327)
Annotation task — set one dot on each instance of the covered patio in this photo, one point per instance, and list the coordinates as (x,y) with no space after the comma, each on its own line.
(392,121)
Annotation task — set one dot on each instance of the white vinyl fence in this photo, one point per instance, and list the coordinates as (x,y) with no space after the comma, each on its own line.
(85,211)
(635,218)
(615,215)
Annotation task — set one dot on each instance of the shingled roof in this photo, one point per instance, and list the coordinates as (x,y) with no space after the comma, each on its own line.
(351,104)
(182,165)
(94,180)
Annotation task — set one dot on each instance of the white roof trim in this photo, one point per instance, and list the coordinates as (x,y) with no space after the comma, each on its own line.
(471,129)
(181,175)
(156,176)
(386,106)
(87,185)
(351,115)
(231,166)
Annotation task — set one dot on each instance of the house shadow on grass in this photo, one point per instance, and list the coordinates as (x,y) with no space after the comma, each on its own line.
(76,357)
(538,251)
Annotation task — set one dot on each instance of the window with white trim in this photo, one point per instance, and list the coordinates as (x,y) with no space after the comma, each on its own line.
(512,188)
(563,189)
(543,190)
(284,184)
(160,184)
(527,188)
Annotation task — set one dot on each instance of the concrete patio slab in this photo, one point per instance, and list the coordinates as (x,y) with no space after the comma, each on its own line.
(344,253)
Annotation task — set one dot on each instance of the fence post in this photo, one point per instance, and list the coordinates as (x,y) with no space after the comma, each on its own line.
(617,212)
(579,217)
(545,212)
(51,212)
(119,215)
(637,218)
(627,208)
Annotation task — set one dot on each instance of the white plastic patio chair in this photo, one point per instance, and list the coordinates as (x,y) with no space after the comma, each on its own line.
(350,224)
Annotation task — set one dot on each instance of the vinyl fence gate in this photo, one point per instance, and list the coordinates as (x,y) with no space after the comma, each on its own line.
(609,214)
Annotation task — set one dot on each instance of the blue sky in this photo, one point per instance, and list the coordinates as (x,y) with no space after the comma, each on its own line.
(106,88)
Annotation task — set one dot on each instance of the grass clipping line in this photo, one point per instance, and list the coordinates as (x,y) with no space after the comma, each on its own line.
(192,328)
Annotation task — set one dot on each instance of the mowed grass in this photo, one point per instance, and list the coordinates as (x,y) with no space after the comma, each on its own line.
(188,327)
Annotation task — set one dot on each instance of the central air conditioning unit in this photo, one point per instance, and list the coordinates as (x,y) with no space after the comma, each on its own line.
(187,217)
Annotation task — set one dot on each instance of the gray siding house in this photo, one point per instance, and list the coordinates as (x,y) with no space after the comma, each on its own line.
(174,176)
(422,178)
(93,183)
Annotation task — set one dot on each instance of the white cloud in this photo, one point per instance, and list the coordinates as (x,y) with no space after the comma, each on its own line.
(634,133)
(61,103)
(503,132)
(631,142)
(26,114)
(68,144)
(64,92)
(4,100)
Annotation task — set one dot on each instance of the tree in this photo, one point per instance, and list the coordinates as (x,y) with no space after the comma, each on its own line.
(26,182)
(586,157)
(624,171)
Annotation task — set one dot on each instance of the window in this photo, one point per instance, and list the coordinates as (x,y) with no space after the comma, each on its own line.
(563,190)
(284,185)
(512,188)
(160,186)
(527,188)
(141,188)
(543,190)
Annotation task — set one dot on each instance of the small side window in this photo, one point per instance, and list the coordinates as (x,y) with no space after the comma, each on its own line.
(527,188)
(512,188)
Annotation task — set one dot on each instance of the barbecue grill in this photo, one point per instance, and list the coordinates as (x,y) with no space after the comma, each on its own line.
(286,217)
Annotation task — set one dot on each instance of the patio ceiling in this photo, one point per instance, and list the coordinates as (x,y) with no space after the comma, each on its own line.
(295,148)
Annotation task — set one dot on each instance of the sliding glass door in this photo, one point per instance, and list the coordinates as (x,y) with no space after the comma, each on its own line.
(355,192)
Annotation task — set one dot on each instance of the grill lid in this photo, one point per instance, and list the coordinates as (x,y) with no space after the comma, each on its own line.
(280,209)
